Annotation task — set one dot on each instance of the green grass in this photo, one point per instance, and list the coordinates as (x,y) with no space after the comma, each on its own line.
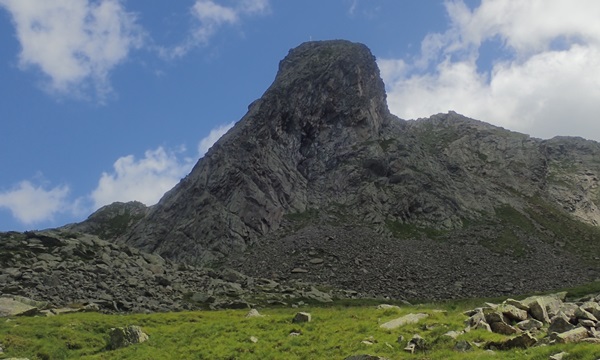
(335,332)
(579,238)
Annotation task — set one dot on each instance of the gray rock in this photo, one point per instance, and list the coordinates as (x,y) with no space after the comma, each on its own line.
(463,346)
(403,320)
(453,334)
(537,309)
(299,271)
(559,356)
(417,343)
(482,325)
(12,306)
(512,312)
(301,317)
(503,328)
(572,336)
(253,313)
(584,315)
(531,324)
(560,323)
(592,307)
(125,336)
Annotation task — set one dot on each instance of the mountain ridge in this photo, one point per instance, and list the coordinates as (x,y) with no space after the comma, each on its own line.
(319,160)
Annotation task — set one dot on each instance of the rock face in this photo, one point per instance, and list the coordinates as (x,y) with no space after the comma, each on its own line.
(326,98)
(440,207)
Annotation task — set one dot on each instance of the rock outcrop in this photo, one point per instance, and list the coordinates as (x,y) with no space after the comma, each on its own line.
(561,322)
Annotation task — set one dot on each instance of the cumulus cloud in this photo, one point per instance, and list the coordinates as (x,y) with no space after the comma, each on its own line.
(210,16)
(214,135)
(148,178)
(30,203)
(542,80)
(75,43)
(144,180)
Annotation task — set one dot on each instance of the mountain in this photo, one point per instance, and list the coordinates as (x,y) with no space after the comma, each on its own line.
(320,181)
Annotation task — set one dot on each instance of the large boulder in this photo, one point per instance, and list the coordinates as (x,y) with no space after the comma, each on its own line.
(125,336)
(559,324)
(571,336)
(403,320)
(18,306)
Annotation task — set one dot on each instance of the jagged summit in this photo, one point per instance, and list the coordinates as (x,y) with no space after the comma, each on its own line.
(332,79)
(327,97)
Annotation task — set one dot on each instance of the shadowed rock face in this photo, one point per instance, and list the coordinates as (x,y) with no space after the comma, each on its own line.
(448,200)
(326,98)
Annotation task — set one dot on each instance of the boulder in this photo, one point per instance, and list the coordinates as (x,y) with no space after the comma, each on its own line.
(537,309)
(559,356)
(592,307)
(125,336)
(253,313)
(571,336)
(317,295)
(587,323)
(530,324)
(512,312)
(453,334)
(482,325)
(401,321)
(560,324)
(475,317)
(516,303)
(463,346)
(582,314)
(523,341)
(12,306)
(417,343)
(301,317)
(503,328)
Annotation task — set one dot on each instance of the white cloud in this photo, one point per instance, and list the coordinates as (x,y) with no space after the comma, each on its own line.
(31,203)
(214,135)
(210,16)
(544,84)
(144,180)
(147,179)
(75,43)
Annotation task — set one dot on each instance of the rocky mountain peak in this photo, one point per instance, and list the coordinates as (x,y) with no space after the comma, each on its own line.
(328,82)
(326,98)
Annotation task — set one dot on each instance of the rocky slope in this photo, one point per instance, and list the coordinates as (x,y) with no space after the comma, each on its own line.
(66,271)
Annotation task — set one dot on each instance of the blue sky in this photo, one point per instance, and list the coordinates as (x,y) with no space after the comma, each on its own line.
(108,100)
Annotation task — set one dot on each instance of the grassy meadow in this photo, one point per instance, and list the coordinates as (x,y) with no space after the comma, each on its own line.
(335,332)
